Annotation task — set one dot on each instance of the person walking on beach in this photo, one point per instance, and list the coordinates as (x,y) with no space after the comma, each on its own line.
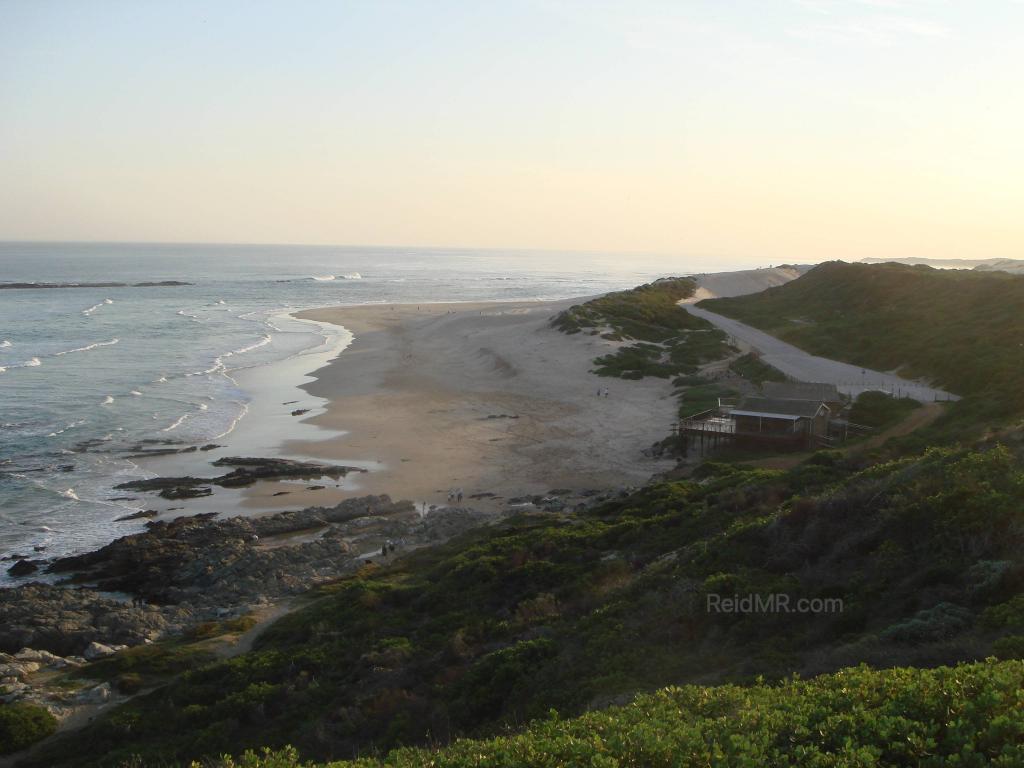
(458,494)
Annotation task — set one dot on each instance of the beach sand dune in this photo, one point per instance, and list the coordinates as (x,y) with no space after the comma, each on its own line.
(486,397)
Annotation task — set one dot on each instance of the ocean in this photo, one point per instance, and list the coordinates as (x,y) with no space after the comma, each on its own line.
(89,376)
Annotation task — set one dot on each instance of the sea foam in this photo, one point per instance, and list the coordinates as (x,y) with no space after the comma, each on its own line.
(88,347)
(93,308)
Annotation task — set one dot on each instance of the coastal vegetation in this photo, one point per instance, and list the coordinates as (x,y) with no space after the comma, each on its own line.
(960,329)
(880,410)
(968,715)
(659,339)
(578,611)
(752,368)
(22,725)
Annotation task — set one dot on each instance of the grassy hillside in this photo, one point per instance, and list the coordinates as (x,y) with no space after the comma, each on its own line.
(577,611)
(970,715)
(963,330)
(667,340)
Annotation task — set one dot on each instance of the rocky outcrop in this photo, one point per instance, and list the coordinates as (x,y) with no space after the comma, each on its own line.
(194,569)
(247,471)
(65,621)
(210,565)
(23,568)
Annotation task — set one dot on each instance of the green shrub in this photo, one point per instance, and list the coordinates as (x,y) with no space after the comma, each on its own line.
(969,715)
(1009,647)
(751,367)
(880,410)
(940,622)
(22,725)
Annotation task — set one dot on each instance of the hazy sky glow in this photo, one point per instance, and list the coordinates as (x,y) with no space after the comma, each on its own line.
(758,130)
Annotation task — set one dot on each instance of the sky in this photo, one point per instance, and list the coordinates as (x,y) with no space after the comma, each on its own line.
(758,131)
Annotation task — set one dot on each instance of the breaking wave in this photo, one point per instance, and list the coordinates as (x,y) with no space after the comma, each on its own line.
(348,276)
(176,424)
(87,348)
(93,308)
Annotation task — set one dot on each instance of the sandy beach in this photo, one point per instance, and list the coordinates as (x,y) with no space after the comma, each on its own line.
(484,397)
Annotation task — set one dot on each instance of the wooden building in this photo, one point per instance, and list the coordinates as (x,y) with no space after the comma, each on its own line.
(781,422)
(801,390)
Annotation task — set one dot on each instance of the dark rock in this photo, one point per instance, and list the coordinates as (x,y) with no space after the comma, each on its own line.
(140,515)
(300,411)
(210,447)
(315,487)
(65,621)
(247,471)
(214,562)
(24,567)
(183,492)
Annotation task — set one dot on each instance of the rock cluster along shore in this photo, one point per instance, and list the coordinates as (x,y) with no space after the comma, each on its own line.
(178,574)
(195,569)
(246,472)
(65,622)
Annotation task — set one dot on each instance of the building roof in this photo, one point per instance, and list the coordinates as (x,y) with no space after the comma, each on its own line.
(800,390)
(778,408)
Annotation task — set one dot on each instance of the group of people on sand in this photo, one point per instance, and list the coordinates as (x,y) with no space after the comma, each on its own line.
(455,495)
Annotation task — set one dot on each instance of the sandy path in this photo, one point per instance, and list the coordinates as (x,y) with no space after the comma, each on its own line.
(486,397)
(803,366)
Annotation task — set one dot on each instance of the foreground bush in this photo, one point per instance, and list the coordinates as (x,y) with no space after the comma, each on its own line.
(22,725)
(968,715)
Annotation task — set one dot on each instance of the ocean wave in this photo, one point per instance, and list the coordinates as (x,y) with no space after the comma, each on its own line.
(241,414)
(176,424)
(327,278)
(68,494)
(72,425)
(5,343)
(216,368)
(261,343)
(135,393)
(108,400)
(35,362)
(218,362)
(87,348)
(92,309)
